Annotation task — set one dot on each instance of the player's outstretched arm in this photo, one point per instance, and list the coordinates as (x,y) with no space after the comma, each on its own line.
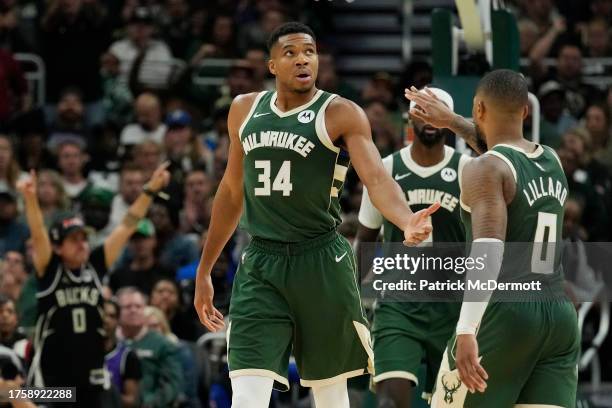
(226,211)
(43,251)
(486,182)
(347,121)
(118,238)
(434,112)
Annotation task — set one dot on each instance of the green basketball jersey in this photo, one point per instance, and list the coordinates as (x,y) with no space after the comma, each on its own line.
(535,215)
(293,173)
(425,185)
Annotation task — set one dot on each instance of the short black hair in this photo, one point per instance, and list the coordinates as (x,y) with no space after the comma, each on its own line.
(506,87)
(292,27)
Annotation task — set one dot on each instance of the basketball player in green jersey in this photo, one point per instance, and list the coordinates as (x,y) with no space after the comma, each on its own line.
(405,333)
(296,291)
(509,354)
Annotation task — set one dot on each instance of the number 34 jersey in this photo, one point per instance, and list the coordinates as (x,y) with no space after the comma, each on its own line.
(535,215)
(293,173)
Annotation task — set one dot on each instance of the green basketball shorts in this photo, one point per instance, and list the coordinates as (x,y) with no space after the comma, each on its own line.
(406,334)
(300,299)
(530,351)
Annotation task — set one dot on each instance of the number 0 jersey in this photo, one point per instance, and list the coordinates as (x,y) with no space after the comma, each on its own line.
(535,215)
(293,173)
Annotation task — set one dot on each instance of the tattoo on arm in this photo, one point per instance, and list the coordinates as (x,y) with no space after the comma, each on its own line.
(467,130)
(130,220)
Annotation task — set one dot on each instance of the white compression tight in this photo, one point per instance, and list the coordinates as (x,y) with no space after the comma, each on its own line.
(331,396)
(254,392)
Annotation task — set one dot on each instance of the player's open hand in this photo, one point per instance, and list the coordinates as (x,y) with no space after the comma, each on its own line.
(419,226)
(210,317)
(471,373)
(27,186)
(429,109)
(160,177)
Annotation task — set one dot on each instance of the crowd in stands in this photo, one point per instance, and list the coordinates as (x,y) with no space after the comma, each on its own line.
(122,97)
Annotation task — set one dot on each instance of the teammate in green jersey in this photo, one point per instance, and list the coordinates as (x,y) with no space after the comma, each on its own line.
(295,291)
(406,333)
(509,354)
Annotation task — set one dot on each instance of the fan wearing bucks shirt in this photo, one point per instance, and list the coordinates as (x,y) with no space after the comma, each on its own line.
(522,353)
(295,291)
(406,333)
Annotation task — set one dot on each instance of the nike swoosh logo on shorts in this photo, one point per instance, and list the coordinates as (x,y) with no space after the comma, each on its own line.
(339,258)
(260,114)
(398,177)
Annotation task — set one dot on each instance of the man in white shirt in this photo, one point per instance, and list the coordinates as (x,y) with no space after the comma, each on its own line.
(148,126)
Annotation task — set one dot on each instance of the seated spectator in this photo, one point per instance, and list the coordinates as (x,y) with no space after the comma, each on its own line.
(598,38)
(147,156)
(69,116)
(240,80)
(328,79)
(71,161)
(162,376)
(597,123)
(528,32)
(18,31)
(175,249)
(182,148)
(143,268)
(121,361)
(556,120)
(176,26)
(51,195)
(210,138)
(13,233)
(383,132)
(222,41)
(13,264)
(148,126)
(14,97)
(195,215)
(9,334)
(256,34)
(381,88)
(166,296)
(156,321)
(10,172)
(262,80)
(153,55)
(117,98)
(31,149)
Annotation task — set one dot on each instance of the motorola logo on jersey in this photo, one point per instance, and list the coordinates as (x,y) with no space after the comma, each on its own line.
(448,174)
(306,116)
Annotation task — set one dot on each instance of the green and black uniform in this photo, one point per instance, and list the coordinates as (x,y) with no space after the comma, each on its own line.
(529,348)
(296,288)
(407,333)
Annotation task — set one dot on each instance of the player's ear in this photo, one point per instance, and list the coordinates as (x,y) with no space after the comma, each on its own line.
(271,66)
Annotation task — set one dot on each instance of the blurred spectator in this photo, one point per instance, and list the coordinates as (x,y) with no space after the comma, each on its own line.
(417,73)
(147,156)
(139,45)
(144,268)
(222,41)
(14,97)
(569,74)
(598,38)
(555,118)
(262,81)
(117,98)
(121,361)
(31,132)
(162,377)
(195,215)
(212,137)
(148,124)
(95,210)
(328,79)
(131,180)
(176,26)
(175,249)
(257,33)
(9,334)
(13,233)
(240,80)
(69,117)
(548,43)
(10,172)
(71,160)
(383,132)
(541,12)
(74,35)
(51,195)
(601,8)
(156,321)
(17,34)
(167,297)
(104,163)
(597,123)
(182,148)
(528,32)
